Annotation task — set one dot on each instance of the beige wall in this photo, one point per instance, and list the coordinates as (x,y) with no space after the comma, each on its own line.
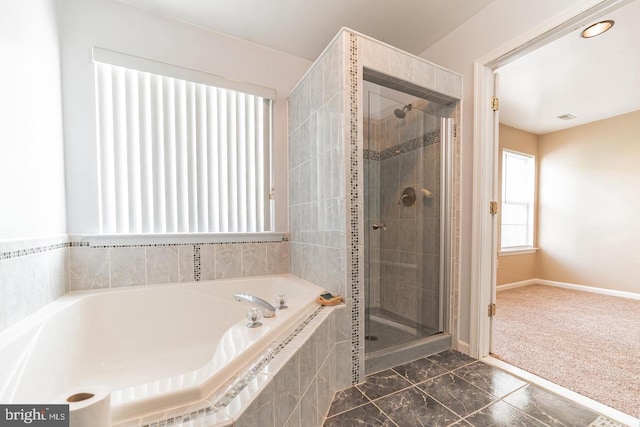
(589,204)
(516,268)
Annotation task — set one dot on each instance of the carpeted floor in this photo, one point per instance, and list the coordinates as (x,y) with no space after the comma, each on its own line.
(586,342)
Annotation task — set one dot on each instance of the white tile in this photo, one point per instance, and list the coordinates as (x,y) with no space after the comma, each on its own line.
(127,266)
(162,264)
(207,262)
(424,74)
(228,258)
(254,259)
(374,55)
(185,263)
(88,268)
(401,65)
(278,257)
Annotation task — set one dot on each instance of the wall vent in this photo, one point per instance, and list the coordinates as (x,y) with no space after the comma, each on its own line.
(566,116)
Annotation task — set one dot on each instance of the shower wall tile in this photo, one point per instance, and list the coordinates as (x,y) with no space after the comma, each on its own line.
(424,74)
(401,65)
(374,55)
(127,267)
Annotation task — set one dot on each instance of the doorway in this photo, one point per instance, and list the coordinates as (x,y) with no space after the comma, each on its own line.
(485,227)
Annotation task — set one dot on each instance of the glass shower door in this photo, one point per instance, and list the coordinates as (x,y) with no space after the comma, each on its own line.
(403,213)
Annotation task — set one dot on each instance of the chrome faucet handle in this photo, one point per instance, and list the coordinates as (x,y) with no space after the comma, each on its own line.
(281,302)
(254,316)
(381,225)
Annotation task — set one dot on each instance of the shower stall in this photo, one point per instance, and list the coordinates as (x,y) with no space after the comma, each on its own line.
(407,162)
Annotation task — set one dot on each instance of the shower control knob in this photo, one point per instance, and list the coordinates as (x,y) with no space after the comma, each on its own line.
(382,225)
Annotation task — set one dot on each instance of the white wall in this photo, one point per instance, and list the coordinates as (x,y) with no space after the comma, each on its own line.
(116,26)
(496,25)
(32,192)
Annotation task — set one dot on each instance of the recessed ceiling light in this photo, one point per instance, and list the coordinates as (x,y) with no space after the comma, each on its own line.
(597,29)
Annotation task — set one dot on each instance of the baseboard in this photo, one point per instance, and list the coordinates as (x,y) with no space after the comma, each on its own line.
(463,347)
(591,289)
(565,285)
(516,284)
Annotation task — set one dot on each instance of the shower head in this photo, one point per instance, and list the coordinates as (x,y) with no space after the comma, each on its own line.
(402,113)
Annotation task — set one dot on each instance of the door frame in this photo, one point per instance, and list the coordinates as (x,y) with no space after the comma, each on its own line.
(485,136)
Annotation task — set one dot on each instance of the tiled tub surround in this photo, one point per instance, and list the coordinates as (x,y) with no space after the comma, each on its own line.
(326,170)
(290,384)
(97,267)
(451,389)
(209,345)
(34,273)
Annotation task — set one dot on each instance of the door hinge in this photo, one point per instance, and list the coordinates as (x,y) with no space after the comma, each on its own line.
(493,208)
(492,310)
(495,103)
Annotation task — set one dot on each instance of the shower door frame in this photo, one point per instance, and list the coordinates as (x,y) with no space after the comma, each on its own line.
(446,233)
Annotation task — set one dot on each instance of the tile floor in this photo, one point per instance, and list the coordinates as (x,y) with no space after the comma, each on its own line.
(451,389)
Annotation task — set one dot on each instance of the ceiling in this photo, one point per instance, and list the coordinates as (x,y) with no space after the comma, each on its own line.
(591,79)
(304,28)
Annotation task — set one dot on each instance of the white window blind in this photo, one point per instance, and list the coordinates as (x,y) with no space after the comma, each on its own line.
(518,186)
(178,156)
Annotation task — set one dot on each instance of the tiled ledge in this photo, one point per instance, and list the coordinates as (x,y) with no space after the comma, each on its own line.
(295,378)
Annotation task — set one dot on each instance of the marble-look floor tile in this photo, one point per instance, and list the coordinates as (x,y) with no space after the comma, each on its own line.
(501,414)
(347,399)
(420,370)
(365,416)
(456,394)
(412,407)
(461,423)
(549,408)
(383,383)
(494,380)
(451,359)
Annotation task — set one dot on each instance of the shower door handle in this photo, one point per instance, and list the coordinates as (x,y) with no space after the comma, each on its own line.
(382,225)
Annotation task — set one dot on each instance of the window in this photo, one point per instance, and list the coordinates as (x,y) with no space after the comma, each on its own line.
(518,186)
(178,155)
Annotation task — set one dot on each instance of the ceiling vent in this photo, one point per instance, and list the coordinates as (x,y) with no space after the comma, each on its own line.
(566,116)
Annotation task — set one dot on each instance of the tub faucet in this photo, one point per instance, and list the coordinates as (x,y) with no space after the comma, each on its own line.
(267,309)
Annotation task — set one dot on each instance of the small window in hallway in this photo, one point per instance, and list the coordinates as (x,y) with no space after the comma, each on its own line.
(518,186)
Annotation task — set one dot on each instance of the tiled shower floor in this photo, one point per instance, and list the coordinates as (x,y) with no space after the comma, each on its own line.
(450,388)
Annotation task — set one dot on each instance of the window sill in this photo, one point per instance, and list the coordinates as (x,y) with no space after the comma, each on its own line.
(522,251)
(176,238)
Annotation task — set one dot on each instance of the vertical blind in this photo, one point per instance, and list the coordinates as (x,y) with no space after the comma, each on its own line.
(180,157)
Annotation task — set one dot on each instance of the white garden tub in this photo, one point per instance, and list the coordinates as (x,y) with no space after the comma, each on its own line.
(154,347)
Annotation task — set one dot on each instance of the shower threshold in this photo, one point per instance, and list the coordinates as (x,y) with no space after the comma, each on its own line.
(406,352)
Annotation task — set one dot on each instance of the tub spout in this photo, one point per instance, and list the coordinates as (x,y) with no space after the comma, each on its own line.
(267,309)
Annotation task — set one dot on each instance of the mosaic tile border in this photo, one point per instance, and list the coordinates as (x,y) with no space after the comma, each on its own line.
(241,383)
(404,147)
(39,250)
(354,214)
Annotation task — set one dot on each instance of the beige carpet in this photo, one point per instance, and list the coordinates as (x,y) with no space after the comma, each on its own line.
(586,342)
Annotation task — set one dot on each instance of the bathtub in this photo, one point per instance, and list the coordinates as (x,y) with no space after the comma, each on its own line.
(154,347)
